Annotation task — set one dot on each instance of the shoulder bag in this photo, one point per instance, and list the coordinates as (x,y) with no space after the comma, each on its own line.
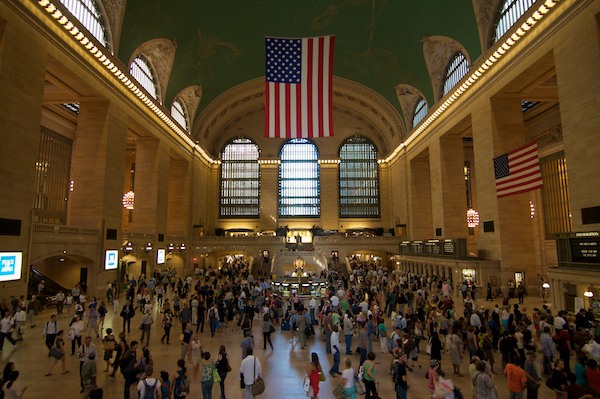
(258,387)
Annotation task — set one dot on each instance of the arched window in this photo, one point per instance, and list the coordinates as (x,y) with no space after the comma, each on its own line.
(87,12)
(420,112)
(141,71)
(457,70)
(240,180)
(358,179)
(299,190)
(179,114)
(509,13)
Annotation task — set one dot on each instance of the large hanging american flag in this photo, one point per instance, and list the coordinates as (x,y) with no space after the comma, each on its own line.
(518,171)
(298,87)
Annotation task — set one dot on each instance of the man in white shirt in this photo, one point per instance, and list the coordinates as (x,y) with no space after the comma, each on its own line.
(5,330)
(86,351)
(250,369)
(312,305)
(50,331)
(335,301)
(336,350)
(149,383)
(559,321)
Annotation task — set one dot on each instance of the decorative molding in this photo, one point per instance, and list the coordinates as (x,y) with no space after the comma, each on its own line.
(485,12)
(161,54)
(552,136)
(408,97)
(191,97)
(437,51)
(115,13)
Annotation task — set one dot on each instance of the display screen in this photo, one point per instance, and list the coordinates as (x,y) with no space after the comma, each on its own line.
(585,250)
(160,257)
(111,261)
(10,265)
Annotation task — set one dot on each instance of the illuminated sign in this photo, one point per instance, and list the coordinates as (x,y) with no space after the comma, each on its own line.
(10,265)
(111,261)
(160,257)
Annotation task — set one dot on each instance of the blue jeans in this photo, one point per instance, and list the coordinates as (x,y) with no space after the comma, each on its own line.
(348,344)
(363,356)
(350,393)
(516,395)
(327,341)
(336,363)
(248,393)
(400,392)
(207,390)
(213,325)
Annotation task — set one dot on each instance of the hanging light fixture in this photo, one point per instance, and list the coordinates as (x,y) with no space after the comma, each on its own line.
(588,294)
(472,218)
(531,209)
(128,200)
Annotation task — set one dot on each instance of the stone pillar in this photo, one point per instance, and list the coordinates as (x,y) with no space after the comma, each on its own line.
(448,194)
(269,189)
(23,67)
(151,187)
(501,130)
(178,208)
(329,196)
(576,63)
(97,166)
(420,199)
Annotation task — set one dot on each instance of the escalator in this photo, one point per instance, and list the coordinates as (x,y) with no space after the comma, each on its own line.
(51,287)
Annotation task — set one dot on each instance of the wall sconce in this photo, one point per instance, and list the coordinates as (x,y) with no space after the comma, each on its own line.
(531,209)
(148,247)
(588,294)
(182,247)
(171,247)
(546,286)
(128,247)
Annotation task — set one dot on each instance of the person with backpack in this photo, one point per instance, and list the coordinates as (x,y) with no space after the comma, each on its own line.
(399,376)
(149,387)
(181,385)
(165,383)
(127,365)
(213,318)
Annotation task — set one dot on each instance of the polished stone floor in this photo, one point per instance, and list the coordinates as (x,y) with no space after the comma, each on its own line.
(284,368)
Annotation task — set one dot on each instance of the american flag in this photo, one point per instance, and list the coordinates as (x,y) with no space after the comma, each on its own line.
(299,74)
(518,171)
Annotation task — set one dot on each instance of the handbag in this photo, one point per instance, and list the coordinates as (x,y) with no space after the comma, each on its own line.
(428,348)
(306,385)
(216,376)
(338,391)
(322,376)
(258,386)
(96,393)
(56,353)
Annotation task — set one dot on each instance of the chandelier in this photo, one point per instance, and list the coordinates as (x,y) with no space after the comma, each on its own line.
(472,218)
(128,200)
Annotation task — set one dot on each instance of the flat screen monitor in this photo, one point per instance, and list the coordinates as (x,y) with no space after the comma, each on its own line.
(160,256)
(10,265)
(111,261)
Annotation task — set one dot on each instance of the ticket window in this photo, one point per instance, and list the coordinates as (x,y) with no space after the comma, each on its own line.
(468,275)
(519,278)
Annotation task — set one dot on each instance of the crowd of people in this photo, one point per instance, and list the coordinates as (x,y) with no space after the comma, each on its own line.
(408,315)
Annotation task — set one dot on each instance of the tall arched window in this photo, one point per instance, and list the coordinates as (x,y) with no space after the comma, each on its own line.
(358,179)
(457,70)
(240,180)
(142,72)
(509,13)
(179,114)
(87,12)
(299,190)
(420,112)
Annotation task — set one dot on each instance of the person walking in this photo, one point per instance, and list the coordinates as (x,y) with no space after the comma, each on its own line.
(76,332)
(399,376)
(146,326)
(348,332)
(483,385)
(208,366)
(335,349)
(87,351)
(314,373)
(149,383)
(250,368)
(57,352)
(301,325)
(348,377)
(127,314)
(455,349)
(515,378)
(195,355)
(369,378)
(6,325)
(223,367)
(533,378)
(33,308)
(167,323)
(267,329)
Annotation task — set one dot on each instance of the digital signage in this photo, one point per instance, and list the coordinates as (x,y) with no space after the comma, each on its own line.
(160,256)
(10,265)
(111,261)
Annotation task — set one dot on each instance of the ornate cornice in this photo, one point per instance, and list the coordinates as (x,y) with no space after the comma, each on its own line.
(485,12)
(115,12)
(437,51)
(408,97)
(161,54)
(191,97)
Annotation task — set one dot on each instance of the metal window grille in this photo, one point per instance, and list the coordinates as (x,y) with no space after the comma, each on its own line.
(555,195)
(141,71)
(510,12)
(420,112)
(527,105)
(52,178)
(86,12)
(299,186)
(358,179)
(73,107)
(178,113)
(457,70)
(240,180)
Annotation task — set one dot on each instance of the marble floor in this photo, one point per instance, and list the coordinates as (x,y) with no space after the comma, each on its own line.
(283,368)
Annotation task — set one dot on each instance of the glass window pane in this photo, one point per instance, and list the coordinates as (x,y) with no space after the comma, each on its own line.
(457,70)
(510,12)
(240,180)
(140,70)
(299,187)
(86,12)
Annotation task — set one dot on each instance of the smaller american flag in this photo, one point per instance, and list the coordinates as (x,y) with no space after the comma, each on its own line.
(518,171)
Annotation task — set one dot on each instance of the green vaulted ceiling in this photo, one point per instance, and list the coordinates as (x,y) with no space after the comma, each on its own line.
(220,43)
